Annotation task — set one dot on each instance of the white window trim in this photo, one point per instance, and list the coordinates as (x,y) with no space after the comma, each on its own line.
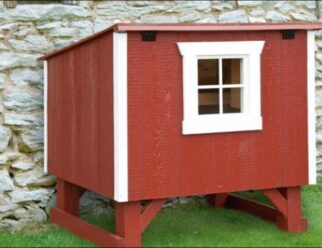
(251,118)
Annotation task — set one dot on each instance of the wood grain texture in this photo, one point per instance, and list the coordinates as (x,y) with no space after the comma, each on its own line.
(88,231)
(80,116)
(149,212)
(165,163)
(127,223)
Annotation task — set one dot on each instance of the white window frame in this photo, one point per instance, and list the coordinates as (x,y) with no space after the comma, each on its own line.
(250,118)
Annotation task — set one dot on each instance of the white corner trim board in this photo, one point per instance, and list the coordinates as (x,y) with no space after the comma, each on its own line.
(250,118)
(46,116)
(311,106)
(120,117)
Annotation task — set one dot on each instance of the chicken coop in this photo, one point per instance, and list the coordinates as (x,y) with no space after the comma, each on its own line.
(147,112)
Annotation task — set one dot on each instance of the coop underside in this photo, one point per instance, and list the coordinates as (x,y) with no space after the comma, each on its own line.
(131,219)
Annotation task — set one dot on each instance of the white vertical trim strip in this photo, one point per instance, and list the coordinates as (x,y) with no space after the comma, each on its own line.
(311,105)
(46,116)
(120,117)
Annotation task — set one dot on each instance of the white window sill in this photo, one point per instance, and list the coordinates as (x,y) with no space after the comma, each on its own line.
(223,123)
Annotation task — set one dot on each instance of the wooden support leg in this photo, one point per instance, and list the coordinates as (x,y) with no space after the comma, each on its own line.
(127,223)
(217,200)
(293,221)
(68,197)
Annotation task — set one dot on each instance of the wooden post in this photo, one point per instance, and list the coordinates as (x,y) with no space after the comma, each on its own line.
(127,223)
(217,200)
(293,222)
(68,197)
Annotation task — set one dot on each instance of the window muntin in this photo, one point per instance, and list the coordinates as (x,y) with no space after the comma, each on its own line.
(220,85)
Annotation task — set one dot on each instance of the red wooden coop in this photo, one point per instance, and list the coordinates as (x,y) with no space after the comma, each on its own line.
(153,111)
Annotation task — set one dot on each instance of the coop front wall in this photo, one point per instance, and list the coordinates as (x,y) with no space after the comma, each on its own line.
(162,162)
(80,115)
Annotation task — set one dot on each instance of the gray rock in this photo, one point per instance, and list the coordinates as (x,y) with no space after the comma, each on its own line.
(190,17)
(208,19)
(304,16)
(223,5)
(6,204)
(234,16)
(7,157)
(5,135)
(30,43)
(100,24)
(284,7)
(70,32)
(24,195)
(243,3)
(58,43)
(23,32)
(274,16)
(22,100)
(126,10)
(159,19)
(319,57)
(32,213)
(187,6)
(31,140)
(43,12)
(2,81)
(310,4)
(5,181)
(91,202)
(23,165)
(82,24)
(26,77)
(44,181)
(318,98)
(28,177)
(12,60)
(257,19)
(257,11)
(3,47)
(23,119)
(51,25)
(15,225)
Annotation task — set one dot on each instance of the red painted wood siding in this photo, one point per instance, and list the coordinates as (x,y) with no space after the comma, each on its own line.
(164,163)
(80,115)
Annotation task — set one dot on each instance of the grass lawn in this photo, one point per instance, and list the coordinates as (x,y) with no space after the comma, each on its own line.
(194,224)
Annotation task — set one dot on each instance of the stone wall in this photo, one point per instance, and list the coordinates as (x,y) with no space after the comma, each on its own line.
(29,30)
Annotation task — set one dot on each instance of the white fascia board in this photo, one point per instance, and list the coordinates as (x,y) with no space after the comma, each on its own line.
(120,117)
(46,116)
(311,106)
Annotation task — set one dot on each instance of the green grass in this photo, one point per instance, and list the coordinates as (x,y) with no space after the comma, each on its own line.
(195,224)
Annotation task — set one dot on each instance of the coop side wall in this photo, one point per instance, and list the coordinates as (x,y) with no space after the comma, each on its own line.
(163,163)
(80,115)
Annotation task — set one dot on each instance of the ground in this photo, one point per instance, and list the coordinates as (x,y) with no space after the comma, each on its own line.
(194,224)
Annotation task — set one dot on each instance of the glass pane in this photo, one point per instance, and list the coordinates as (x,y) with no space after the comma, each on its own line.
(208,73)
(231,71)
(209,101)
(232,100)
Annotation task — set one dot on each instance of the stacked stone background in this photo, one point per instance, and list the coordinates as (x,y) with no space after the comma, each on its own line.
(30,30)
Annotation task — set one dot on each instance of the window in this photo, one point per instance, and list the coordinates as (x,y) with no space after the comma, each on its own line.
(221,86)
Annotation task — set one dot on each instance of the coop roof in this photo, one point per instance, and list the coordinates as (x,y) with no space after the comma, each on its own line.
(191,27)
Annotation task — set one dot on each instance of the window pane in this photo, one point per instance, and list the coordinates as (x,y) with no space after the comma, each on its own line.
(232,100)
(209,101)
(231,71)
(208,72)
